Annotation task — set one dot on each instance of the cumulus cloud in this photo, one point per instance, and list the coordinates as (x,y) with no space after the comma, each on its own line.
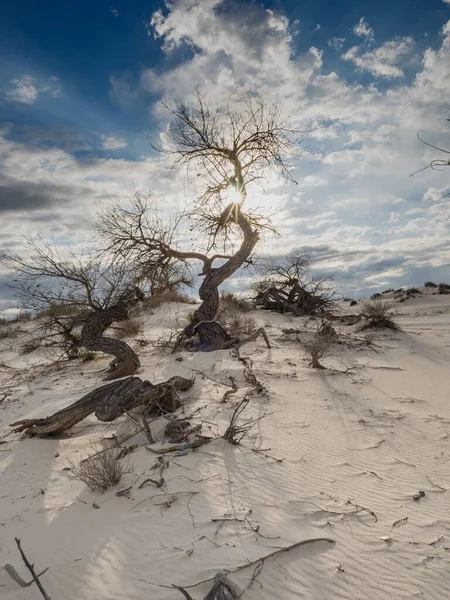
(382,62)
(351,206)
(362,29)
(26,89)
(22,90)
(111,142)
(336,43)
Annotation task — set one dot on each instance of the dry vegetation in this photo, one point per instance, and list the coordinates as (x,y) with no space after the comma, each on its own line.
(100,472)
(378,313)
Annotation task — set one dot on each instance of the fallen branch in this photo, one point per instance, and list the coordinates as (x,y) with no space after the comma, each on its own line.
(30,567)
(257,562)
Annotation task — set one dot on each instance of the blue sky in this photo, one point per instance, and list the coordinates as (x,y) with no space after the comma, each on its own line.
(78,87)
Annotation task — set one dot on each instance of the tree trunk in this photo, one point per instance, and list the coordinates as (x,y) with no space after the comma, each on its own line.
(109,402)
(126,361)
(212,336)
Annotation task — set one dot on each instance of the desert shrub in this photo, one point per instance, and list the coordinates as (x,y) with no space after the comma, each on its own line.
(353,303)
(430,284)
(87,355)
(30,346)
(232,301)
(412,291)
(387,291)
(444,288)
(58,310)
(373,296)
(100,472)
(130,327)
(8,332)
(171,295)
(378,314)
(319,343)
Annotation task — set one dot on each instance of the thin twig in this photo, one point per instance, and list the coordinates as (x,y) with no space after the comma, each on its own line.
(30,567)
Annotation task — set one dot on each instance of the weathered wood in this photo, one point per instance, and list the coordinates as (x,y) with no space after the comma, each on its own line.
(126,361)
(109,402)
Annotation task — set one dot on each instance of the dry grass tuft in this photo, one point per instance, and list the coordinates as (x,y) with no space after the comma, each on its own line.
(230,301)
(129,328)
(378,314)
(100,472)
(152,302)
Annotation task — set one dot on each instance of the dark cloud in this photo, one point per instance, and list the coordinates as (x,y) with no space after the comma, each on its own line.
(20,196)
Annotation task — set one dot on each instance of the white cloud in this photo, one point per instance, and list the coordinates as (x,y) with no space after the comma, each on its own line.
(26,89)
(336,43)
(362,29)
(446,1)
(115,12)
(111,142)
(22,91)
(382,62)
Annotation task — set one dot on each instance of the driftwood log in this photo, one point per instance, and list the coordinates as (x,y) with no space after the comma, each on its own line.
(109,402)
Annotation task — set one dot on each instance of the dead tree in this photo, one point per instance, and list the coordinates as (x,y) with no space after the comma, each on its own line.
(227,149)
(82,292)
(286,285)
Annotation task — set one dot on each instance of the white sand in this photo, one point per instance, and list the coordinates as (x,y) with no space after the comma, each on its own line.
(374,437)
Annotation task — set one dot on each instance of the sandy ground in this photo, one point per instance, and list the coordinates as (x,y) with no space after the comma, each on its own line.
(338,454)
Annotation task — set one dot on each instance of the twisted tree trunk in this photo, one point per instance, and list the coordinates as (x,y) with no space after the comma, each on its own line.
(109,402)
(212,336)
(126,361)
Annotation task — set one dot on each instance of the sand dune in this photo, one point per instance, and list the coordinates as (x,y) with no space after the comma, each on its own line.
(337,454)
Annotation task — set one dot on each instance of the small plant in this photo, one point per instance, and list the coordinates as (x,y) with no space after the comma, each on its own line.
(230,301)
(8,332)
(412,291)
(378,314)
(100,472)
(170,295)
(444,288)
(87,355)
(30,346)
(318,345)
(129,328)
(430,284)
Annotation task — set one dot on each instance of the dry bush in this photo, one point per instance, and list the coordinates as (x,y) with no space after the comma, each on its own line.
(8,332)
(231,301)
(171,295)
(319,344)
(130,327)
(378,314)
(444,288)
(30,346)
(233,318)
(100,472)
(58,310)
(430,284)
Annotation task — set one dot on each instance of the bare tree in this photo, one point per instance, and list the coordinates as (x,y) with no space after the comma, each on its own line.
(78,292)
(226,149)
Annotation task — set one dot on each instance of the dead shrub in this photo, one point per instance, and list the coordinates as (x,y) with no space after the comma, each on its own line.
(100,472)
(444,288)
(30,346)
(430,284)
(318,344)
(230,301)
(378,314)
(171,295)
(8,332)
(130,327)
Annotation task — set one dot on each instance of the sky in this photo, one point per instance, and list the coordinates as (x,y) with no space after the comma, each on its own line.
(79,89)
